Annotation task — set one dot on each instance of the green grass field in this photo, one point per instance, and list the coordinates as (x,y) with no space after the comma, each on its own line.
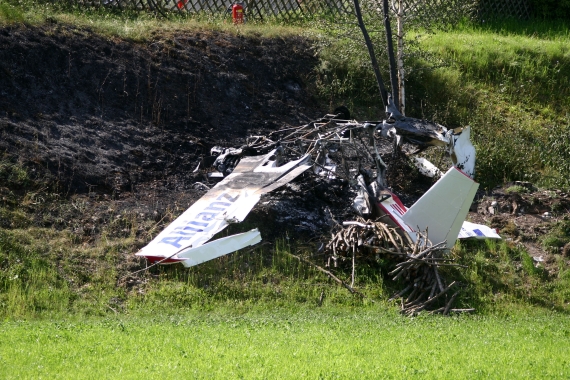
(325,343)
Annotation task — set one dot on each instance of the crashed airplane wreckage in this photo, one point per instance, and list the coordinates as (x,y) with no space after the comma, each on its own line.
(330,148)
(336,147)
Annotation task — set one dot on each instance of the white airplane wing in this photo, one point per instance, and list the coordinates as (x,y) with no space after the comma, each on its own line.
(219,247)
(228,202)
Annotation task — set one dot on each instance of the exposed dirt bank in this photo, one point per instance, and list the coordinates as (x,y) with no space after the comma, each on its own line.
(117,128)
(109,115)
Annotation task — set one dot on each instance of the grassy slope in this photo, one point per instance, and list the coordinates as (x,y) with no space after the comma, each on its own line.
(328,343)
(513,87)
(48,273)
(44,272)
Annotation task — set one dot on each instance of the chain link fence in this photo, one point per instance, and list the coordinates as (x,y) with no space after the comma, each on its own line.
(489,9)
(295,10)
(288,10)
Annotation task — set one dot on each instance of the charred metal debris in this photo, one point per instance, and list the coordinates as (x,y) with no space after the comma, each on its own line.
(344,150)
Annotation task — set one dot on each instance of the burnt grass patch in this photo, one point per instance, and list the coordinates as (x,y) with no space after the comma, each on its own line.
(99,120)
(105,115)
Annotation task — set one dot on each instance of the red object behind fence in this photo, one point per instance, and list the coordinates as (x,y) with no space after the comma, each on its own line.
(237,13)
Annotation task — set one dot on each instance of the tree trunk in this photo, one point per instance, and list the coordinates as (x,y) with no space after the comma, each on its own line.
(391,59)
(400,57)
(375,67)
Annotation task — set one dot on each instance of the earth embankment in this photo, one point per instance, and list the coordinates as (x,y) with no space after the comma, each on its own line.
(102,114)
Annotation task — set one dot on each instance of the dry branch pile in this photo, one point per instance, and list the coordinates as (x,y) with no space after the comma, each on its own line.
(416,264)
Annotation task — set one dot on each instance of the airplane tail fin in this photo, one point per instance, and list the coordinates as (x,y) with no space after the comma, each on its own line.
(443,207)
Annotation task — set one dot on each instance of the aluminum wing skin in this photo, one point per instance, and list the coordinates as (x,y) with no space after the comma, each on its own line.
(219,247)
(228,202)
